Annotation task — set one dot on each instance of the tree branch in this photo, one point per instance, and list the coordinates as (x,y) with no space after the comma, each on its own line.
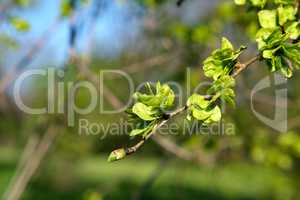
(130,150)
(10,76)
(32,164)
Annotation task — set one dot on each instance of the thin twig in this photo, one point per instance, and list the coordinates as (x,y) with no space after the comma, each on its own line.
(114,101)
(16,69)
(134,148)
(83,68)
(241,67)
(27,153)
(27,169)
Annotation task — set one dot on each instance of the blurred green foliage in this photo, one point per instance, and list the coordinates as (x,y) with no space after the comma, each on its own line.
(254,163)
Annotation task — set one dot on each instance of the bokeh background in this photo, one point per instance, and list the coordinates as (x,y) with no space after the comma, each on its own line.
(41,157)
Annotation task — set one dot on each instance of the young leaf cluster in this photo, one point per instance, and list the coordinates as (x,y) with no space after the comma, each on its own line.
(218,66)
(203,110)
(222,88)
(279,54)
(263,3)
(150,108)
(222,61)
(278,37)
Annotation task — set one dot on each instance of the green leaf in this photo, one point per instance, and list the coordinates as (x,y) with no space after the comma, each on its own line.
(143,129)
(208,115)
(212,69)
(286,13)
(215,114)
(135,132)
(262,35)
(222,61)
(149,100)
(198,100)
(223,82)
(293,30)
(20,24)
(276,63)
(166,95)
(285,2)
(117,154)
(226,44)
(286,71)
(201,109)
(270,53)
(284,68)
(267,18)
(279,63)
(276,39)
(272,44)
(163,99)
(240,2)
(65,8)
(23,3)
(259,3)
(144,112)
(200,115)
(222,86)
(292,52)
(229,96)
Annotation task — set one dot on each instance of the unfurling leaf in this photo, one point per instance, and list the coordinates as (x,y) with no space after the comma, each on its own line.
(136,132)
(226,44)
(163,98)
(142,129)
(293,30)
(198,100)
(286,13)
(267,18)
(202,110)
(223,86)
(144,112)
(222,61)
(150,108)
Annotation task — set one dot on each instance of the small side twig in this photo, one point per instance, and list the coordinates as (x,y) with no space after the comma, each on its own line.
(133,149)
(240,67)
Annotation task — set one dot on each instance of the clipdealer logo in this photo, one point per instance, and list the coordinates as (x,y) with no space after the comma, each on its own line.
(60,101)
(279,122)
